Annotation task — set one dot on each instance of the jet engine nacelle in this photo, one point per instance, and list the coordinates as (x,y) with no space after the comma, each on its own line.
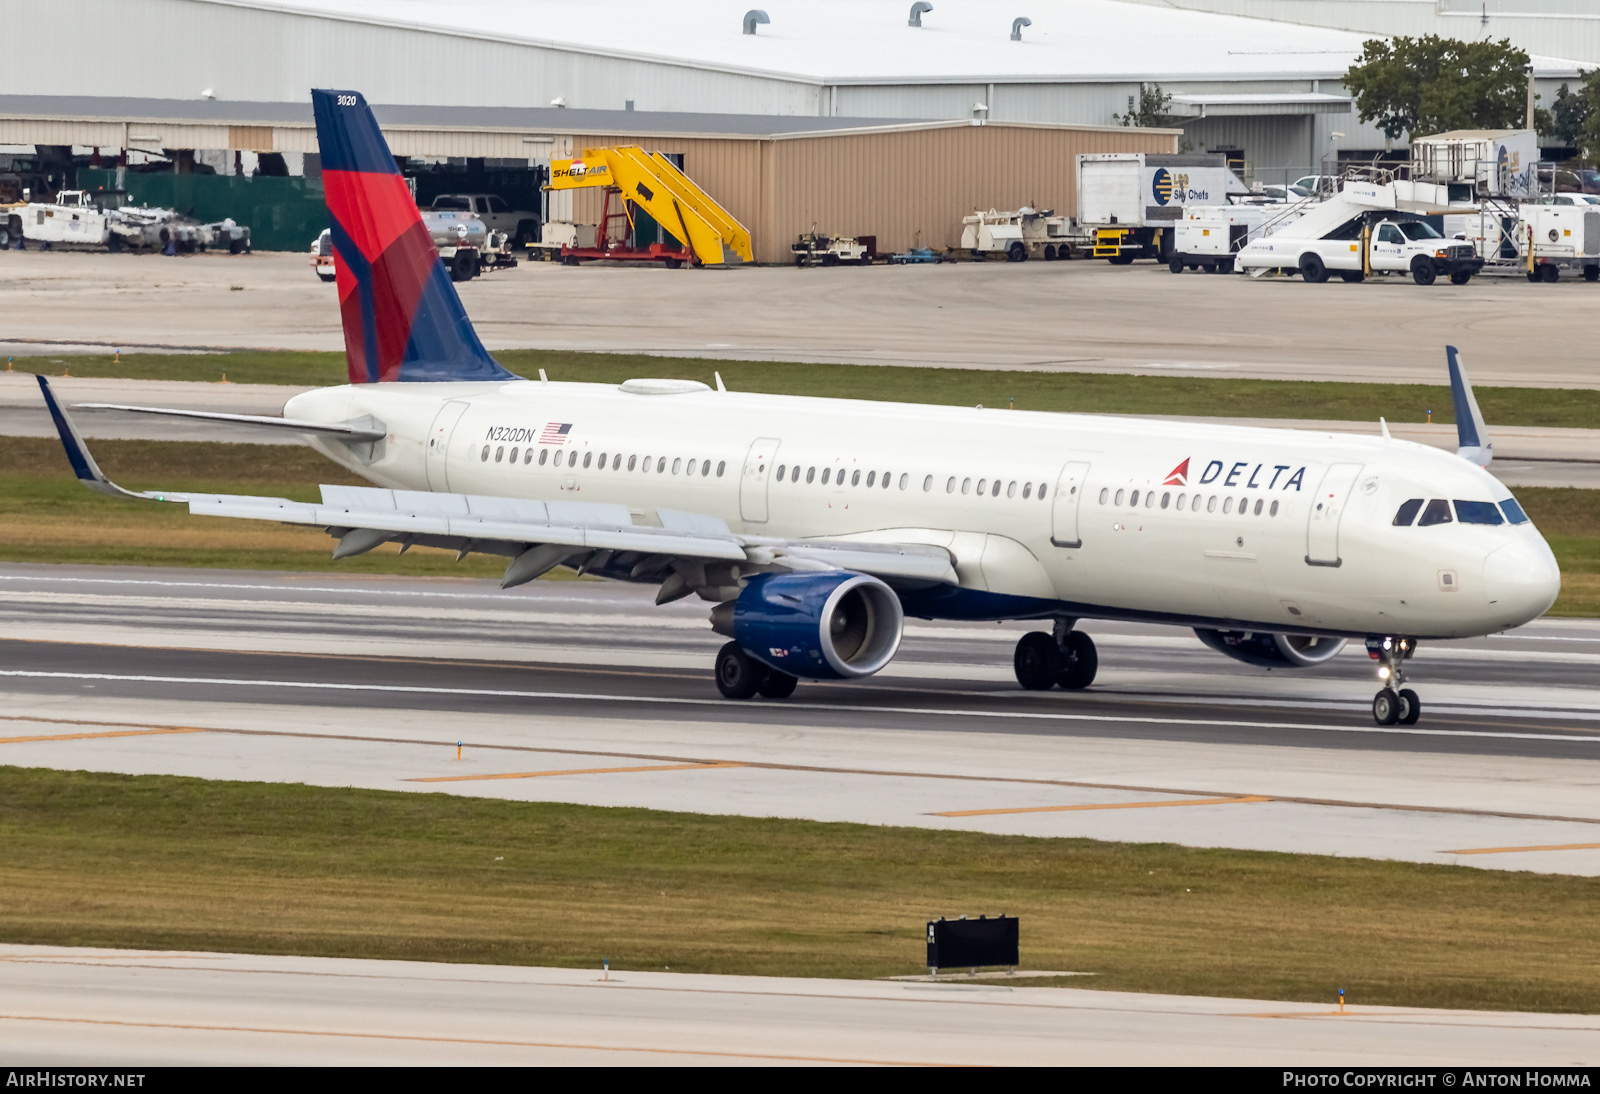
(1272,651)
(824,626)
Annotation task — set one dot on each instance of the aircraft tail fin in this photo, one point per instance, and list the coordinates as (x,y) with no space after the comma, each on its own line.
(1471,432)
(402,318)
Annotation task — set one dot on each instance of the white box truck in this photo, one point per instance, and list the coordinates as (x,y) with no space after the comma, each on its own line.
(1130,202)
(1551,238)
(1209,236)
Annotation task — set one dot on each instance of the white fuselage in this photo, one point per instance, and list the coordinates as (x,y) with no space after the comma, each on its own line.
(1314,548)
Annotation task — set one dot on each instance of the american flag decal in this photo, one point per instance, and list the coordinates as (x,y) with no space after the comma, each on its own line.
(555,433)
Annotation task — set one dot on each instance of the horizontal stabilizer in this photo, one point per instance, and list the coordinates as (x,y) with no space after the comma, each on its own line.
(346,431)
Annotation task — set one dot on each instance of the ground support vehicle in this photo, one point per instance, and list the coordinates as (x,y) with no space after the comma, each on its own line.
(1208,237)
(1559,237)
(820,250)
(649,180)
(1019,235)
(72,220)
(915,256)
(467,245)
(1367,228)
(1129,203)
(225,234)
(558,235)
(519,225)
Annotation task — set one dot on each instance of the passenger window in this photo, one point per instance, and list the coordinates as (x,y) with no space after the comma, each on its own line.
(513,457)
(981,484)
(781,469)
(1407,513)
(485,456)
(1181,499)
(1437,512)
(1133,500)
(661,465)
(1244,506)
(1104,492)
(1272,512)
(633,461)
(527,457)
(811,473)
(855,478)
(587,456)
(616,462)
(966,485)
(544,454)
(871,477)
(1027,491)
(1164,499)
(1258,507)
(721,464)
(826,472)
(950,487)
(1118,499)
(1149,499)
(1478,512)
(689,468)
(887,476)
(1011,490)
(1211,504)
(677,463)
(499,452)
(601,463)
(1513,511)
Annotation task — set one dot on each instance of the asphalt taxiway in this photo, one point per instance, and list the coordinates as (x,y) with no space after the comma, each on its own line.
(585,692)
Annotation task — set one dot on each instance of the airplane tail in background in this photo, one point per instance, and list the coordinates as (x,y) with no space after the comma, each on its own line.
(402,318)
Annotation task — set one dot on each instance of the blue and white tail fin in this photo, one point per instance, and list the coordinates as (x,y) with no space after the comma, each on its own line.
(1471,432)
(402,318)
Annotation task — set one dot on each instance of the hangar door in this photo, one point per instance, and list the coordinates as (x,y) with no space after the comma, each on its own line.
(1327,507)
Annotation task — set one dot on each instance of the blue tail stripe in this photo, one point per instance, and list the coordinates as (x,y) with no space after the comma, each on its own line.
(348,135)
(361,269)
(1466,428)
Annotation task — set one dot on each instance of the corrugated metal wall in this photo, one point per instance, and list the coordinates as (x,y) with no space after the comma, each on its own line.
(1276,149)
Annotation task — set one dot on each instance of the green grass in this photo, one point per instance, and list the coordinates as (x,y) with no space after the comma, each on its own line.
(48,517)
(163,862)
(1057,391)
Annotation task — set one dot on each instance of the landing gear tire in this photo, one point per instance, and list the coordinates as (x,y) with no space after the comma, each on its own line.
(1038,661)
(1385,707)
(1410,707)
(777,685)
(739,676)
(1422,271)
(1082,662)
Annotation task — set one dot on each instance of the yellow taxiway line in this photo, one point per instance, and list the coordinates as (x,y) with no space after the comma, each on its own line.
(1542,847)
(96,736)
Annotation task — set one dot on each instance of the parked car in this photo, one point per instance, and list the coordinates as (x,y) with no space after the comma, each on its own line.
(520,225)
(1281,193)
(1318,184)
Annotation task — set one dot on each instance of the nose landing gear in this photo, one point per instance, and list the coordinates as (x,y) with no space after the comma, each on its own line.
(1066,658)
(1391,707)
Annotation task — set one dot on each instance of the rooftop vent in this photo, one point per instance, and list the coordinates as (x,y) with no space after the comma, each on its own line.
(1016,27)
(916,13)
(752,18)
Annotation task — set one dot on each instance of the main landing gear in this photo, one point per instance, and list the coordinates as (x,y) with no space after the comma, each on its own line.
(1066,658)
(1391,707)
(740,676)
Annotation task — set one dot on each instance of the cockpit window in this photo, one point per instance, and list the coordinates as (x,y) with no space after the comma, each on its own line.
(1513,511)
(1437,512)
(1419,230)
(1407,513)
(1478,512)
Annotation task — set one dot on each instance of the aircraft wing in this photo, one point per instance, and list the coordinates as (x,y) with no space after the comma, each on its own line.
(686,552)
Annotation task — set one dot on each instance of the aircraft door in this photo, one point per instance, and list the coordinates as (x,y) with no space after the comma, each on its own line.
(1064,507)
(1327,507)
(437,455)
(753,482)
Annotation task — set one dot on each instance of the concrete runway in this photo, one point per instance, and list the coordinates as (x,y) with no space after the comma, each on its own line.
(1056,316)
(129,1008)
(584,692)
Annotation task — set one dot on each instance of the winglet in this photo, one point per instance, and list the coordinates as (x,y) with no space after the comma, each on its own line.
(1471,432)
(78,456)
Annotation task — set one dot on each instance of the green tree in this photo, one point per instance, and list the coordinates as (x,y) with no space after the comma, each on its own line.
(1152,112)
(1575,117)
(1432,84)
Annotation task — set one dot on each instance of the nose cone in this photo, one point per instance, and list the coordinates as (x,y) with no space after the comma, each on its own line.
(1521,580)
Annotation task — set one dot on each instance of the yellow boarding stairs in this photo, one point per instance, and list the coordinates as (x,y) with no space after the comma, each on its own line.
(666,193)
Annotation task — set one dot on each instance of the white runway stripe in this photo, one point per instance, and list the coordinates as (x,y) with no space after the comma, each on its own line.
(402,689)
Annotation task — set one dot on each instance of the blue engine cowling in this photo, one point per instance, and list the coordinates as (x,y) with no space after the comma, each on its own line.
(1272,651)
(824,626)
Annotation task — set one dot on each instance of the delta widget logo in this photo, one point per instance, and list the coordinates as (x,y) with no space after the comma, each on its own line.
(1179,476)
(1161,186)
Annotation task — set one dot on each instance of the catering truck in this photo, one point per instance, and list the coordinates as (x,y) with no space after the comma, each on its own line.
(1129,203)
(1209,236)
(1367,228)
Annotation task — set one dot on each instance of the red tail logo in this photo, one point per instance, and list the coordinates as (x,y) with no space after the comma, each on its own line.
(1178,476)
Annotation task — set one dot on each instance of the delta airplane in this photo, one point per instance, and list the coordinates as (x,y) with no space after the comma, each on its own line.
(815,526)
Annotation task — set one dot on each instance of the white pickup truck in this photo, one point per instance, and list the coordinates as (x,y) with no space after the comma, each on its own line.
(1391,245)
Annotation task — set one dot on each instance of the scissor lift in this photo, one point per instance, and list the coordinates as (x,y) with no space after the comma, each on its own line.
(709,233)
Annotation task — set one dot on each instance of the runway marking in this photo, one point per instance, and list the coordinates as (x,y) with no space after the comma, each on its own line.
(435,1039)
(1543,847)
(97,736)
(574,771)
(1105,805)
(857,708)
(821,770)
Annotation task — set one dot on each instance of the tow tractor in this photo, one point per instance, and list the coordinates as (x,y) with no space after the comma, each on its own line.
(707,234)
(822,250)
